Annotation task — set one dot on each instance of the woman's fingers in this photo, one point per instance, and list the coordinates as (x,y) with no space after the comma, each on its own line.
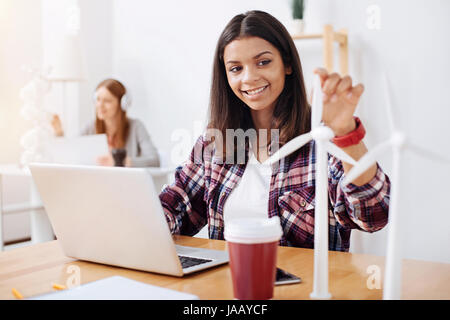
(104,160)
(323,74)
(356,92)
(329,87)
(55,120)
(334,86)
(344,85)
(327,81)
(57,126)
(330,84)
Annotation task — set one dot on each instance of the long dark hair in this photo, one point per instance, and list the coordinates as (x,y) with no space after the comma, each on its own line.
(118,90)
(226,111)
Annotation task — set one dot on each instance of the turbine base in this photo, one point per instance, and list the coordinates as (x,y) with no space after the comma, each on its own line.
(317,296)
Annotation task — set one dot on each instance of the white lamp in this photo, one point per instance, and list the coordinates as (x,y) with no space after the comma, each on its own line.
(70,66)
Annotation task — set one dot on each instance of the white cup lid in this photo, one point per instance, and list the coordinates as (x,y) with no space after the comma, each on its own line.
(253,230)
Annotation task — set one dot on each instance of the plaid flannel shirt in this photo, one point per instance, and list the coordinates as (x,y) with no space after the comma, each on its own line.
(202,185)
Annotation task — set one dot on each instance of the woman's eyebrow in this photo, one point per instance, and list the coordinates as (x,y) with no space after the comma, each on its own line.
(255,57)
(260,54)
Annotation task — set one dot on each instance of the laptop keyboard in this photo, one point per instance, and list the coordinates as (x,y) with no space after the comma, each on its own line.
(187,262)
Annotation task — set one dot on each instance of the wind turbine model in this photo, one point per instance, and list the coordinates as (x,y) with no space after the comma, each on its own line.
(398,143)
(321,135)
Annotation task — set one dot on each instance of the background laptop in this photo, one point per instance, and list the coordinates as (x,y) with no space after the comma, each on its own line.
(113,216)
(81,150)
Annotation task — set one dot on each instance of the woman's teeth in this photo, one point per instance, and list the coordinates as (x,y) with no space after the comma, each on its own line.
(256,91)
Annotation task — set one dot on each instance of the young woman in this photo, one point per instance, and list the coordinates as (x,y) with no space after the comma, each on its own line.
(122,132)
(258,84)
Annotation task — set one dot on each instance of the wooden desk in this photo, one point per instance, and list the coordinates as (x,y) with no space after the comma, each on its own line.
(32,270)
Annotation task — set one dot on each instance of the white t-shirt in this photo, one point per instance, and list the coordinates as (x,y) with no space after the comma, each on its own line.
(250,198)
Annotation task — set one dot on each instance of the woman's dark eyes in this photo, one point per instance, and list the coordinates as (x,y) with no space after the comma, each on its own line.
(264,62)
(235,69)
(260,63)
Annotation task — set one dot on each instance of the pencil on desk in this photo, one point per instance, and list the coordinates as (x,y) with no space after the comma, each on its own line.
(58,286)
(16,293)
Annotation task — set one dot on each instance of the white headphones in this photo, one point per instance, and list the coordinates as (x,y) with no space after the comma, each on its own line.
(125,101)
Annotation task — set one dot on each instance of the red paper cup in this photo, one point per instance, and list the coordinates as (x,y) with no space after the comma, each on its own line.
(252,248)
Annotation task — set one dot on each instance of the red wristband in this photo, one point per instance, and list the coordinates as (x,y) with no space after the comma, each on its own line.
(351,138)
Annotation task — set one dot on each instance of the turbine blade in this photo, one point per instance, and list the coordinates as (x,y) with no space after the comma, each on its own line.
(339,153)
(289,147)
(428,154)
(369,159)
(317,102)
(389,111)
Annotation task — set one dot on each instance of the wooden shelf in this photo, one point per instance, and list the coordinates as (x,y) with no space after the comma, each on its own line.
(329,36)
(307,36)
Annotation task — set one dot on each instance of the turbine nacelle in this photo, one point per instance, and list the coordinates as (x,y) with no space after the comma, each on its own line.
(398,139)
(322,133)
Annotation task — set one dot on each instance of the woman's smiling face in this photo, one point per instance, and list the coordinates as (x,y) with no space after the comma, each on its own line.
(255,72)
(107,104)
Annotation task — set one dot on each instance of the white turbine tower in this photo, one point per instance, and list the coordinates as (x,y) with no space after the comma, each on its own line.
(322,136)
(398,142)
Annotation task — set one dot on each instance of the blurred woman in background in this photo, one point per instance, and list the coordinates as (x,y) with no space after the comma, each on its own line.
(124,134)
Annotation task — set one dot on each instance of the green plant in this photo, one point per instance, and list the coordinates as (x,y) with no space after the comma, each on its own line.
(297,9)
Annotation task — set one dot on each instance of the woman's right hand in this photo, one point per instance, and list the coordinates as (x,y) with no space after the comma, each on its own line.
(57,126)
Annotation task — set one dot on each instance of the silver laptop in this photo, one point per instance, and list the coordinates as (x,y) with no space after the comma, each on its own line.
(113,216)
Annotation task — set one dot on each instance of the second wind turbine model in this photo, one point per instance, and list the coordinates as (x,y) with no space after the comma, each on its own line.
(398,142)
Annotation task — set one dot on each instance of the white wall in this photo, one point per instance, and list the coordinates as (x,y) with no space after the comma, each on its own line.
(30,34)
(96,35)
(20,44)
(163,51)
(412,47)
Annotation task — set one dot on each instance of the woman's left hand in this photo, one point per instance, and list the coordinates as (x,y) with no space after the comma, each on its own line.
(339,101)
(127,162)
(105,160)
